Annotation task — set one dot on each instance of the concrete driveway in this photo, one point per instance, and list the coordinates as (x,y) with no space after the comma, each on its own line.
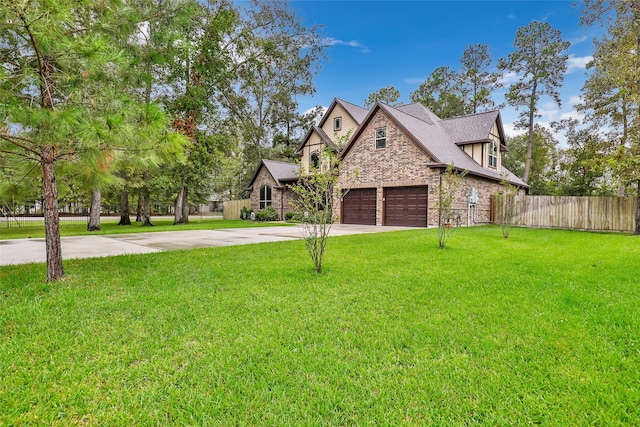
(22,251)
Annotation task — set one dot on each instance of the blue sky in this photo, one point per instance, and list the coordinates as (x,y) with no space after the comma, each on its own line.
(374,44)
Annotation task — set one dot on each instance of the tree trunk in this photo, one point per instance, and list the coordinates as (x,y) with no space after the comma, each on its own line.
(146,209)
(139,208)
(181,206)
(51,219)
(94,214)
(637,232)
(124,208)
(532,111)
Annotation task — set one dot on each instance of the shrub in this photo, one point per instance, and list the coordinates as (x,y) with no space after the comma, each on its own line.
(288,215)
(245,213)
(267,214)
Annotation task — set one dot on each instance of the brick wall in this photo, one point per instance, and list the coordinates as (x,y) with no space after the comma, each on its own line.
(280,198)
(403,163)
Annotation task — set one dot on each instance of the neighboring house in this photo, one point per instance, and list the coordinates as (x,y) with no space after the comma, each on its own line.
(394,157)
(269,185)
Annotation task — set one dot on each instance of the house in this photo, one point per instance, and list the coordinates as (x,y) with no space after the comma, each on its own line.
(268,185)
(393,158)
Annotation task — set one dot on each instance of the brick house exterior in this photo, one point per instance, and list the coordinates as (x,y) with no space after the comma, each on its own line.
(393,160)
(269,186)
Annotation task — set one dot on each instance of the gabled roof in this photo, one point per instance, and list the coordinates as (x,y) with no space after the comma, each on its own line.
(323,136)
(280,171)
(474,128)
(436,139)
(357,114)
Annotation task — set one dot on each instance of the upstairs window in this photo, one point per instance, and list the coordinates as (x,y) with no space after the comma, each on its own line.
(381,138)
(337,123)
(315,160)
(265,196)
(493,155)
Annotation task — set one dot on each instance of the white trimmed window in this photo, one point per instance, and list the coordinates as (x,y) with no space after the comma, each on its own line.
(265,196)
(493,155)
(381,138)
(337,123)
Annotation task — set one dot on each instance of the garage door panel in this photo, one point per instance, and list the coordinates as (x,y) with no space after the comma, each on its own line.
(359,206)
(406,206)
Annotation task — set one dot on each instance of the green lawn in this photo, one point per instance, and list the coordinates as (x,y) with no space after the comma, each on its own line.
(540,329)
(110,226)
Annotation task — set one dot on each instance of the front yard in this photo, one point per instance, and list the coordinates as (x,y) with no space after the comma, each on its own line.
(541,328)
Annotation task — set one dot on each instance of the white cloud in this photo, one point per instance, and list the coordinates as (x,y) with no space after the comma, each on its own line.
(578,40)
(330,41)
(511,131)
(572,115)
(548,111)
(508,78)
(575,100)
(578,62)
(414,80)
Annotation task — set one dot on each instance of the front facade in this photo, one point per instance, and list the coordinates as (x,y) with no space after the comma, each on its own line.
(269,186)
(392,160)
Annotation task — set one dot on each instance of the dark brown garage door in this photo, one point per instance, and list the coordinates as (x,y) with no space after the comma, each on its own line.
(406,206)
(359,206)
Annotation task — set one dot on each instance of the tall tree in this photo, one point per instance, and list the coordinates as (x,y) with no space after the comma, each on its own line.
(477,81)
(53,55)
(612,91)
(545,168)
(582,163)
(441,93)
(387,95)
(539,61)
(275,60)
(49,53)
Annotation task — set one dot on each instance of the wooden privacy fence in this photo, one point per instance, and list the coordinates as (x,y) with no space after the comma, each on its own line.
(232,208)
(581,213)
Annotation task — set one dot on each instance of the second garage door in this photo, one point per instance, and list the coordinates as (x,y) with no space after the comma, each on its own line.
(405,206)
(359,206)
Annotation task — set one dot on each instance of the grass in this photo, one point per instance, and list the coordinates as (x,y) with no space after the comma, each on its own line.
(542,328)
(110,226)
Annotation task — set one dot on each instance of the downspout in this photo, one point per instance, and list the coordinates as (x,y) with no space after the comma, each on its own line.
(440,200)
(281,204)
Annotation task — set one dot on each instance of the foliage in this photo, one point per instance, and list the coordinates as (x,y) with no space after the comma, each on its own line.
(441,93)
(245,212)
(63,95)
(540,61)
(476,81)
(612,90)
(536,330)
(276,58)
(449,183)
(507,207)
(314,193)
(288,215)
(269,213)
(387,95)
(545,163)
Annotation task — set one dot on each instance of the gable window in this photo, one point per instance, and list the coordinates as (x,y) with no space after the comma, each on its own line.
(337,123)
(381,138)
(493,155)
(265,196)
(315,160)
